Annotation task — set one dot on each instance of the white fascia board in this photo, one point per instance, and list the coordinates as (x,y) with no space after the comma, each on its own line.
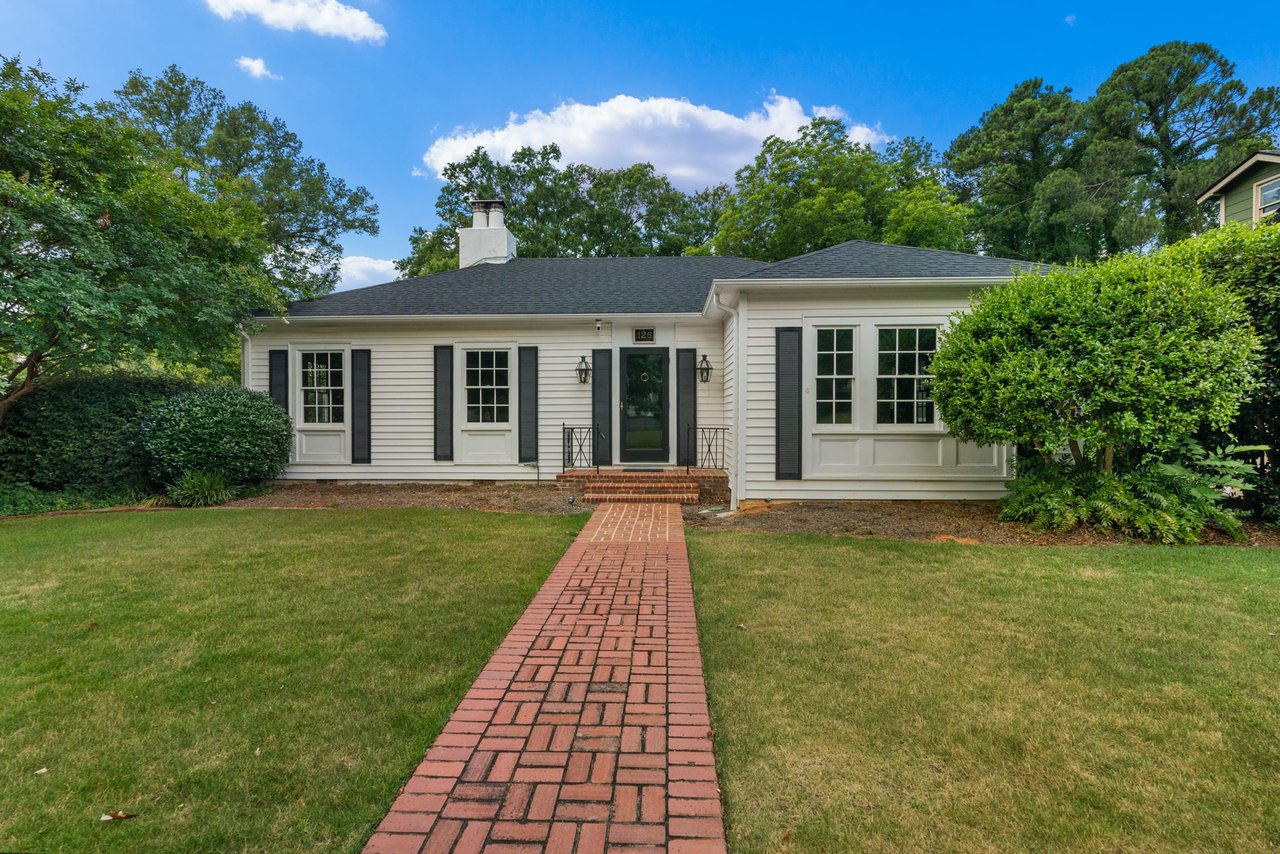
(1216,189)
(475,318)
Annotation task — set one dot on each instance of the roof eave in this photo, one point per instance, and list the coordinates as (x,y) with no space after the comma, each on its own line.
(1249,162)
(473,318)
(855,282)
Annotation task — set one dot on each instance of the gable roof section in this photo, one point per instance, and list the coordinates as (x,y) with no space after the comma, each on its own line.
(1268,156)
(541,286)
(862,259)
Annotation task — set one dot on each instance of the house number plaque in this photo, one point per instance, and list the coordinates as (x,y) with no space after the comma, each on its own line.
(643,336)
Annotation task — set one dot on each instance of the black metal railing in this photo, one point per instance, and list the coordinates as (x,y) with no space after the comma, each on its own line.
(578,450)
(706,447)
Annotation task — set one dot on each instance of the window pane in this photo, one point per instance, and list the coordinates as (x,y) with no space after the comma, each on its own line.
(844,413)
(826,364)
(486,415)
(825,412)
(888,363)
(906,339)
(486,396)
(473,358)
(884,389)
(887,340)
(473,376)
(503,414)
(928,339)
(844,339)
(884,413)
(486,358)
(907,363)
(1269,194)
(924,412)
(335,361)
(906,389)
(844,389)
(308,359)
(502,396)
(926,359)
(500,359)
(473,397)
(844,364)
(335,397)
(904,413)
(500,377)
(826,388)
(335,378)
(473,414)
(336,415)
(826,339)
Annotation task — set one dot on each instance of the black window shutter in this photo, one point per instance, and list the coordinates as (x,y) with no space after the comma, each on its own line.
(528,397)
(686,407)
(278,377)
(361,409)
(444,402)
(602,404)
(788,413)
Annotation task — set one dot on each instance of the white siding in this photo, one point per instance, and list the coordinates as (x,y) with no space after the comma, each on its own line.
(401,361)
(864,460)
(729,375)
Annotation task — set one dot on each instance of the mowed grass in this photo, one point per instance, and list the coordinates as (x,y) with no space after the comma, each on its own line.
(873,695)
(242,680)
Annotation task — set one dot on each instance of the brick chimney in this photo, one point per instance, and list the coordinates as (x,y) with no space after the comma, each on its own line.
(487,241)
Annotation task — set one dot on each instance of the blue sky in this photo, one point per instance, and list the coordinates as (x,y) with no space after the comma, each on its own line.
(385,90)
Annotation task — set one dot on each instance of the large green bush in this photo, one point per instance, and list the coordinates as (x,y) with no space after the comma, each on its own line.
(1247,258)
(1101,373)
(80,433)
(224,430)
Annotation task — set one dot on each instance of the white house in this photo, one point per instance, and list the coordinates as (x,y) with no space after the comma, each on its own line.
(801,379)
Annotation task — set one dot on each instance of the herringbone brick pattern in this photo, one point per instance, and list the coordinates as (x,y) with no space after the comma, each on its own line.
(588,729)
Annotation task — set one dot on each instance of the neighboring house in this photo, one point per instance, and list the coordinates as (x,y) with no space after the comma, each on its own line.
(807,378)
(1250,192)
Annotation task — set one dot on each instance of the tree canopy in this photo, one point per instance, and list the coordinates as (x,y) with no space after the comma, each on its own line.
(238,153)
(105,253)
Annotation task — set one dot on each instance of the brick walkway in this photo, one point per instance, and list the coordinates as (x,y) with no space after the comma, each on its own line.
(588,728)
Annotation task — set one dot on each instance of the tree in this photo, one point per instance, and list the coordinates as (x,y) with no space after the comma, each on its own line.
(106,254)
(802,194)
(1116,361)
(1189,118)
(240,154)
(565,211)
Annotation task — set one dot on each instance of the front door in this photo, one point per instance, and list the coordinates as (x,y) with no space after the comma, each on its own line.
(644,406)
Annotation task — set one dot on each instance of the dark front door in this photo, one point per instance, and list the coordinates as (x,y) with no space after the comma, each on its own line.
(644,404)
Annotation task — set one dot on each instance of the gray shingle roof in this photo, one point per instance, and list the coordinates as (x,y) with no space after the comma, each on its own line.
(862,259)
(591,286)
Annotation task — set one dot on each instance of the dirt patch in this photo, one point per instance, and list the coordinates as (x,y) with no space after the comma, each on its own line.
(521,497)
(966,522)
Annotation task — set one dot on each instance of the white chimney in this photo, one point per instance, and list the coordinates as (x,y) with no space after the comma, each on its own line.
(487,241)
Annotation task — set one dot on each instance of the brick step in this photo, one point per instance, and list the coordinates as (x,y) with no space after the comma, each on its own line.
(633,485)
(640,498)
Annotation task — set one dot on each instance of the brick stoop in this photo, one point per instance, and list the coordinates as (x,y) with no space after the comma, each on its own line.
(666,486)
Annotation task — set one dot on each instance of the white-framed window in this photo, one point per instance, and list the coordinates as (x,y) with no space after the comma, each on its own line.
(323,387)
(833,375)
(487,380)
(902,374)
(1268,201)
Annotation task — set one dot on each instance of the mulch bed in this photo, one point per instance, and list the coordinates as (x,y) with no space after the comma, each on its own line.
(971,522)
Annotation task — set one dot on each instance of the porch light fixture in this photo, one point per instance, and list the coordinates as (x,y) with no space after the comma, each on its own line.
(704,370)
(584,371)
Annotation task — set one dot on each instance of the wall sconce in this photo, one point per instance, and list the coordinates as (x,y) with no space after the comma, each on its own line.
(584,371)
(704,370)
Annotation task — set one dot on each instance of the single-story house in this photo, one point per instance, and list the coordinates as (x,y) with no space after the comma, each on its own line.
(807,378)
(1248,193)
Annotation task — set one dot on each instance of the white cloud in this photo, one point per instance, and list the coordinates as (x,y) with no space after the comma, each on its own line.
(694,145)
(322,17)
(361,270)
(1070,20)
(256,68)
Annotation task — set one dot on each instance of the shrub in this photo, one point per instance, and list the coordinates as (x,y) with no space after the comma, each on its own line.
(1247,259)
(17,499)
(1117,361)
(201,489)
(224,430)
(80,433)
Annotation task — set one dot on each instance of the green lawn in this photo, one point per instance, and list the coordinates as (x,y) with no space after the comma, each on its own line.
(241,679)
(873,695)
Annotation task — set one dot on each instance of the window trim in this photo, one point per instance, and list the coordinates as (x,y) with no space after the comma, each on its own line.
(461,349)
(1257,198)
(810,367)
(897,426)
